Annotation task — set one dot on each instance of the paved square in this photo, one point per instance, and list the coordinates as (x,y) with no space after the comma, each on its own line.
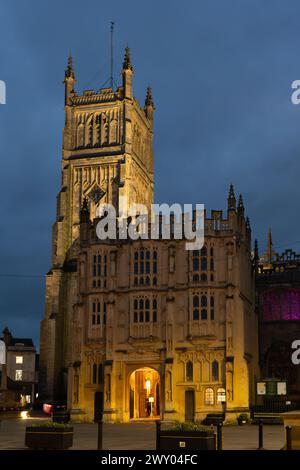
(139,436)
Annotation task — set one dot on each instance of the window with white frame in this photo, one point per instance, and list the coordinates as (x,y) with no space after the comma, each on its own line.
(209,396)
(221,395)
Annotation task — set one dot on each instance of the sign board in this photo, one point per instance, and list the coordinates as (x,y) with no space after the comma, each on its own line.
(151,399)
(261,388)
(281,388)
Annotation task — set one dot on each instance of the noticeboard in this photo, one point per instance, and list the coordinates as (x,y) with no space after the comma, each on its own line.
(261,388)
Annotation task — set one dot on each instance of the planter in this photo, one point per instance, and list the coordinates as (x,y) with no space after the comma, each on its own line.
(47,437)
(292,418)
(214,419)
(181,440)
(62,417)
(242,419)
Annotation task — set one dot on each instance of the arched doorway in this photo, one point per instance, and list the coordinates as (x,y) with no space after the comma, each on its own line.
(144,396)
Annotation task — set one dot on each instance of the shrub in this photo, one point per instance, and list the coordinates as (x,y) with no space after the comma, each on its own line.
(243,417)
(50,424)
(185,427)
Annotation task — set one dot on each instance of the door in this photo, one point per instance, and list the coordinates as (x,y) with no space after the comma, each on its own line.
(189,405)
(131,404)
(142,404)
(157,400)
(98,406)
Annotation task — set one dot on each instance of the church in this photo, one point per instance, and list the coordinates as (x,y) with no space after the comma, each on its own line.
(141,329)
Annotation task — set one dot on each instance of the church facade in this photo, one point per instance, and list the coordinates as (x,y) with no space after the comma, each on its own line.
(138,329)
(278,307)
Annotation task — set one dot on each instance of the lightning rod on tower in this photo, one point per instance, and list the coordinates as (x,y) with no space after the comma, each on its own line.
(112,24)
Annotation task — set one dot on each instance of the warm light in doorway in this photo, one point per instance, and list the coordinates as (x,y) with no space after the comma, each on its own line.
(24,414)
(148,386)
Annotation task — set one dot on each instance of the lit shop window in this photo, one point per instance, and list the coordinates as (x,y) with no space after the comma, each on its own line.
(19,375)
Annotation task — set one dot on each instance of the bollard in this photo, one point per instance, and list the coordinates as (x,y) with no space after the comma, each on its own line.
(260,435)
(288,430)
(157,435)
(100,434)
(219,436)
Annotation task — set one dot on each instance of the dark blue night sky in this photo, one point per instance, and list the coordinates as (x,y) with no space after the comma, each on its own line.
(221,73)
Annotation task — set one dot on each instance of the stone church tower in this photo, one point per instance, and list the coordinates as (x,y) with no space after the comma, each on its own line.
(138,329)
(107,154)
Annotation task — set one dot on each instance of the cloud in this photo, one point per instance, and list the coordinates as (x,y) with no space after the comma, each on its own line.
(221,75)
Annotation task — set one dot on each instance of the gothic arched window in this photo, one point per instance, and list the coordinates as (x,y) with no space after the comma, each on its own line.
(80,135)
(281,304)
(212,308)
(196,307)
(154,310)
(144,309)
(209,396)
(145,266)
(113,132)
(100,374)
(94,378)
(203,307)
(215,371)
(203,264)
(204,251)
(189,373)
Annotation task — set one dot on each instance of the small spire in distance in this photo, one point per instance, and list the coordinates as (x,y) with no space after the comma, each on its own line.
(241,203)
(270,245)
(69,73)
(248,226)
(127,60)
(149,98)
(231,198)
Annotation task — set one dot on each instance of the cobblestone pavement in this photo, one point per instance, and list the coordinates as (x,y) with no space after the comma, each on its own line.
(139,436)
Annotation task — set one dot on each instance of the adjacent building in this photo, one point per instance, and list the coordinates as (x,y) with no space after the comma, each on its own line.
(18,384)
(278,307)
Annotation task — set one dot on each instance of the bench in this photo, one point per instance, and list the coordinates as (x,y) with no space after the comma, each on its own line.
(271,418)
(214,419)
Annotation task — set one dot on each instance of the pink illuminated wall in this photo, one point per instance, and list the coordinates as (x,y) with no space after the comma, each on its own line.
(281,304)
